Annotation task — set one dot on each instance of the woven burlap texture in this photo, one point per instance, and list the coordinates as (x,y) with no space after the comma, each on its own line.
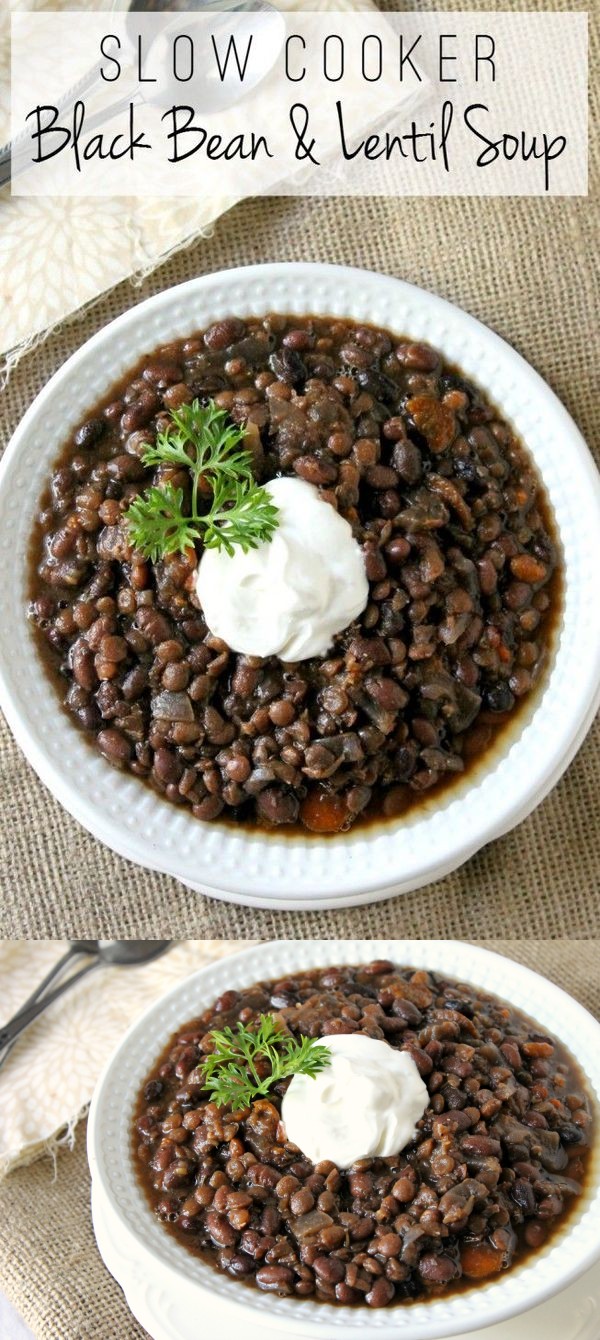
(526,268)
(49,1265)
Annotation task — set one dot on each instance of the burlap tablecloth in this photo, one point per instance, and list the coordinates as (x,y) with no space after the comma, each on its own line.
(49,1265)
(526,268)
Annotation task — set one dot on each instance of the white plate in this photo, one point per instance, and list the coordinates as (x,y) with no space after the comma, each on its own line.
(154,1265)
(277,870)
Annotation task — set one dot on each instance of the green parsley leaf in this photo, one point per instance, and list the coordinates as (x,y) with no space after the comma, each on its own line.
(247,1062)
(241,512)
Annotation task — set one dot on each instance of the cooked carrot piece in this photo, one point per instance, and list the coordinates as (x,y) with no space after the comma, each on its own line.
(479,1260)
(323,813)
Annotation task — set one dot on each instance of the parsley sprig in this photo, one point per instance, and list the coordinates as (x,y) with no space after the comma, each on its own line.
(234,1071)
(241,512)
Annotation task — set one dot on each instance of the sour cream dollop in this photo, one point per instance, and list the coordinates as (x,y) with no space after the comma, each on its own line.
(289,597)
(364,1104)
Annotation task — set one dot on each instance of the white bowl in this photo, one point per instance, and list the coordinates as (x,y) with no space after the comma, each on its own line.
(293,871)
(152,1261)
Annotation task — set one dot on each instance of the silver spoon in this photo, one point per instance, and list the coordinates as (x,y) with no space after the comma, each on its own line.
(14,157)
(117,953)
(75,947)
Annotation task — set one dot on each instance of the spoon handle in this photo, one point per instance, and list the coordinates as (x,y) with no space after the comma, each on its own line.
(12,156)
(26,1016)
(55,971)
(76,947)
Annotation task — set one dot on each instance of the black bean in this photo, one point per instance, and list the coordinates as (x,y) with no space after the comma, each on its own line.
(240,1265)
(571,1134)
(162,373)
(438,1269)
(277,806)
(89,433)
(138,414)
(220,1230)
(499,698)
(275,1279)
(223,333)
(523,1195)
(381,1293)
(115,747)
(383,388)
(328,1269)
(315,470)
(301,1202)
(288,366)
(153,1090)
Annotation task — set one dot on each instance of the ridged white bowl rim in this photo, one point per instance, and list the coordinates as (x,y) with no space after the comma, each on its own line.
(153,1258)
(293,871)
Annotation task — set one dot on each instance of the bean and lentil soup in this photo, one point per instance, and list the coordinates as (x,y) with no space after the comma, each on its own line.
(459,552)
(499,1159)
